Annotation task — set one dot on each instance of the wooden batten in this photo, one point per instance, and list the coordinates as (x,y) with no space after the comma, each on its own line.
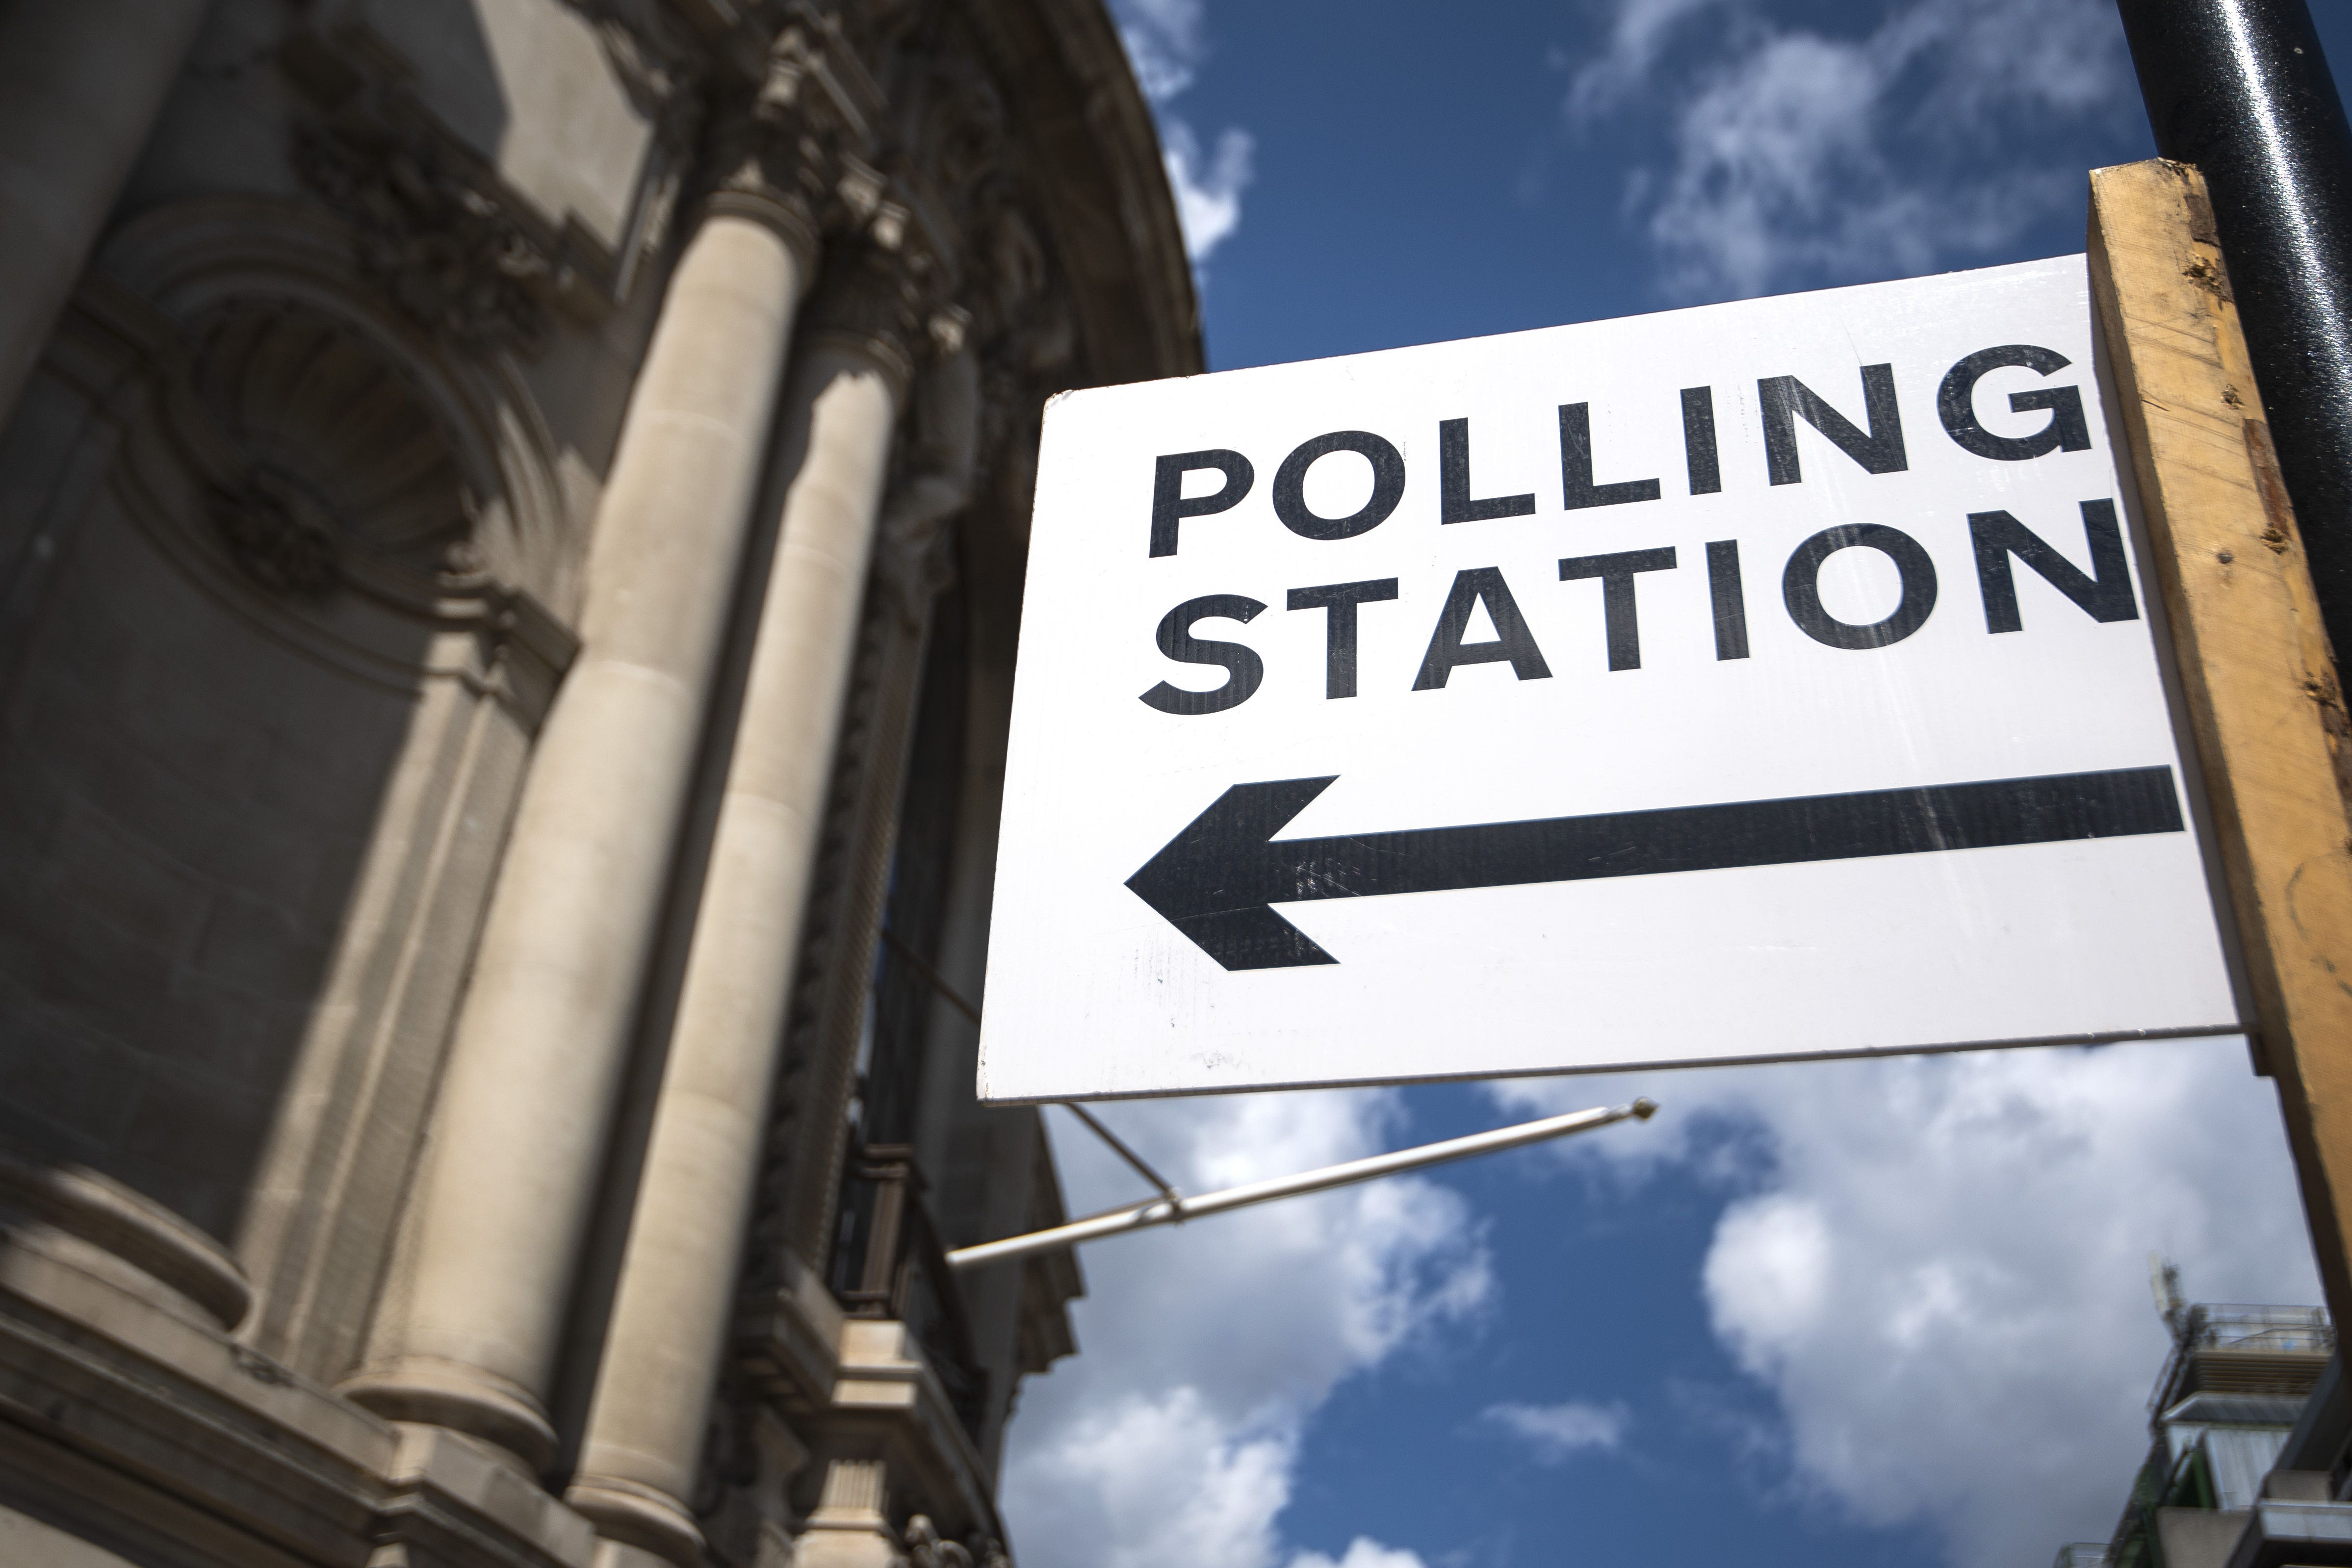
(2255,668)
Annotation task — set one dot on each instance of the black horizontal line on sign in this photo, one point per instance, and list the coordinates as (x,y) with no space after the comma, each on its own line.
(1214,881)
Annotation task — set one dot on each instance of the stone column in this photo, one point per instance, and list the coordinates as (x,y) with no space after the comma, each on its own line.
(542,1036)
(80,85)
(672,1303)
(849,1528)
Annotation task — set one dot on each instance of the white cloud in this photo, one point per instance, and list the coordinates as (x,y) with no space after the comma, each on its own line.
(1167,45)
(1638,33)
(1163,42)
(1208,191)
(1798,156)
(1173,1440)
(1151,1478)
(1556,1431)
(1937,1265)
(1362,1553)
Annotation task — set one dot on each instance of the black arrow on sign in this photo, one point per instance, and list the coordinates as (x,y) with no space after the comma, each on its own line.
(1214,880)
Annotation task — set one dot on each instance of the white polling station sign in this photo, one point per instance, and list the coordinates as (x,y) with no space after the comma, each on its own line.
(1765,680)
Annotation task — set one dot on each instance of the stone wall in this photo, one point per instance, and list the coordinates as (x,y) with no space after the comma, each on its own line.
(479,486)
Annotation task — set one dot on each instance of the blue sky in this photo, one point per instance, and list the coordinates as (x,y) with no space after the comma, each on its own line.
(1856,1314)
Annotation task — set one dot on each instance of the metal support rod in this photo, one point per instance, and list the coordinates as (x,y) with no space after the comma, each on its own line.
(929,975)
(2240,89)
(1162,1211)
(1167,1188)
(948,994)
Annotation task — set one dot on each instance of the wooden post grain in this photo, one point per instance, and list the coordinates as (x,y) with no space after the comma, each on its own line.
(2257,676)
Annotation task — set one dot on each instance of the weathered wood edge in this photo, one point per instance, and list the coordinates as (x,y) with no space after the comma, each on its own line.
(2257,676)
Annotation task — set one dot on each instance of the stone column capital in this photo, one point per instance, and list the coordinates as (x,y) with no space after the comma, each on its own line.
(886,298)
(772,175)
(785,154)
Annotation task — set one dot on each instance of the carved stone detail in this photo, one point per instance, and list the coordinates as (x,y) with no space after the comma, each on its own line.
(278,537)
(925,1550)
(795,149)
(950,225)
(647,52)
(957,135)
(937,460)
(781,146)
(1029,341)
(665,82)
(801,1177)
(288,388)
(446,253)
(743,1504)
(887,298)
(462,253)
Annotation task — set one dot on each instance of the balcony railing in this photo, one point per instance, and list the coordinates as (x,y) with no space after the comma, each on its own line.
(887,1262)
(2224,1348)
(2290,1329)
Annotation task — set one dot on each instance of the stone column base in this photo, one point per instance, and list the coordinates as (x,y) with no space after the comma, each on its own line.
(60,1221)
(133,1427)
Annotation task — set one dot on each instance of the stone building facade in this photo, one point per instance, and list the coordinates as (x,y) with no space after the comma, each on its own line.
(511,529)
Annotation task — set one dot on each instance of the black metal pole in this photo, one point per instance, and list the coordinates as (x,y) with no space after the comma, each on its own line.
(2240,89)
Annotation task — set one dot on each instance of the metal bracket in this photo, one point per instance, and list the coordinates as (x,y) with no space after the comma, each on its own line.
(1168,1192)
(1169,1208)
